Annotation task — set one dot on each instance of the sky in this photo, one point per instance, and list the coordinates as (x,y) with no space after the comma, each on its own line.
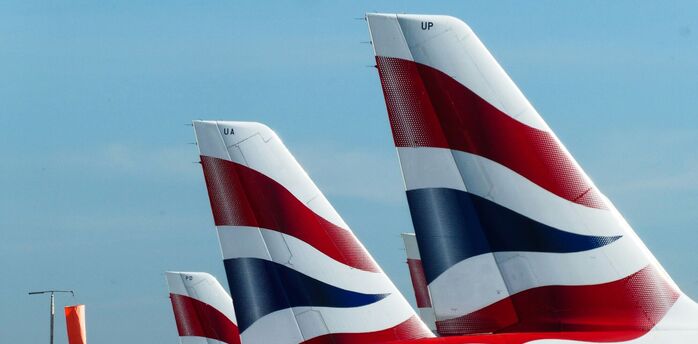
(101,193)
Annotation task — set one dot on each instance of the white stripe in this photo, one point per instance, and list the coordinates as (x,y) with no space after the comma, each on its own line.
(461,290)
(209,140)
(426,167)
(318,321)
(252,242)
(467,286)
(499,184)
(279,327)
(411,247)
(526,270)
(256,146)
(387,36)
(202,287)
(242,242)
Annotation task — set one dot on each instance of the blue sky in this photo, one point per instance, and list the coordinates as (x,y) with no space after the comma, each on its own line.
(99,189)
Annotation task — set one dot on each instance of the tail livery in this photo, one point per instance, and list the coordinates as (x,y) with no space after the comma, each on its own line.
(296,271)
(419,281)
(514,237)
(203,310)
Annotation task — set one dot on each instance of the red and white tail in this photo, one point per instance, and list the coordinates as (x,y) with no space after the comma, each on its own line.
(513,235)
(203,310)
(296,271)
(419,280)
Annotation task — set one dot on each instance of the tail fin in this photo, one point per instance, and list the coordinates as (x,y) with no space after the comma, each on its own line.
(419,281)
(513,234)
(202,308)
(292,263)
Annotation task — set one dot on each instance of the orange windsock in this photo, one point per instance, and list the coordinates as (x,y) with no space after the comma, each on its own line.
(75,323)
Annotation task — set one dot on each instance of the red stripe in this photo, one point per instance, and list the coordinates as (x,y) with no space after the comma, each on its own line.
(241,196)
(428,108)
(520,338)
(195,318)
(419,283)
(634,304)
(410,329)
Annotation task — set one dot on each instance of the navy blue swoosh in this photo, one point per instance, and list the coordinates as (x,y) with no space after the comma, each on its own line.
(259,287)
(453,225)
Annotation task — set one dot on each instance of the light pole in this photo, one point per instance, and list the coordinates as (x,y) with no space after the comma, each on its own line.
(53,307)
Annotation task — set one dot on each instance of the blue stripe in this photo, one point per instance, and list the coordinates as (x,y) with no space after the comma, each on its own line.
(453,225)
(259,287)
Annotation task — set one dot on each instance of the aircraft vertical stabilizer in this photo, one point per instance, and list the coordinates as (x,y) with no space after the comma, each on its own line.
(203,310)
(296,271)
(513,235)
(419,280)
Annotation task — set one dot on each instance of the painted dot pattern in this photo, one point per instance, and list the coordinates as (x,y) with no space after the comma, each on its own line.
(428,108)
(411,114)
(634,304)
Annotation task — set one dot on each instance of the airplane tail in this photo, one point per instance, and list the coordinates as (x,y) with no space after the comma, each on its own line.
(296,271)
(513,235)
(419,280)
(203,310)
